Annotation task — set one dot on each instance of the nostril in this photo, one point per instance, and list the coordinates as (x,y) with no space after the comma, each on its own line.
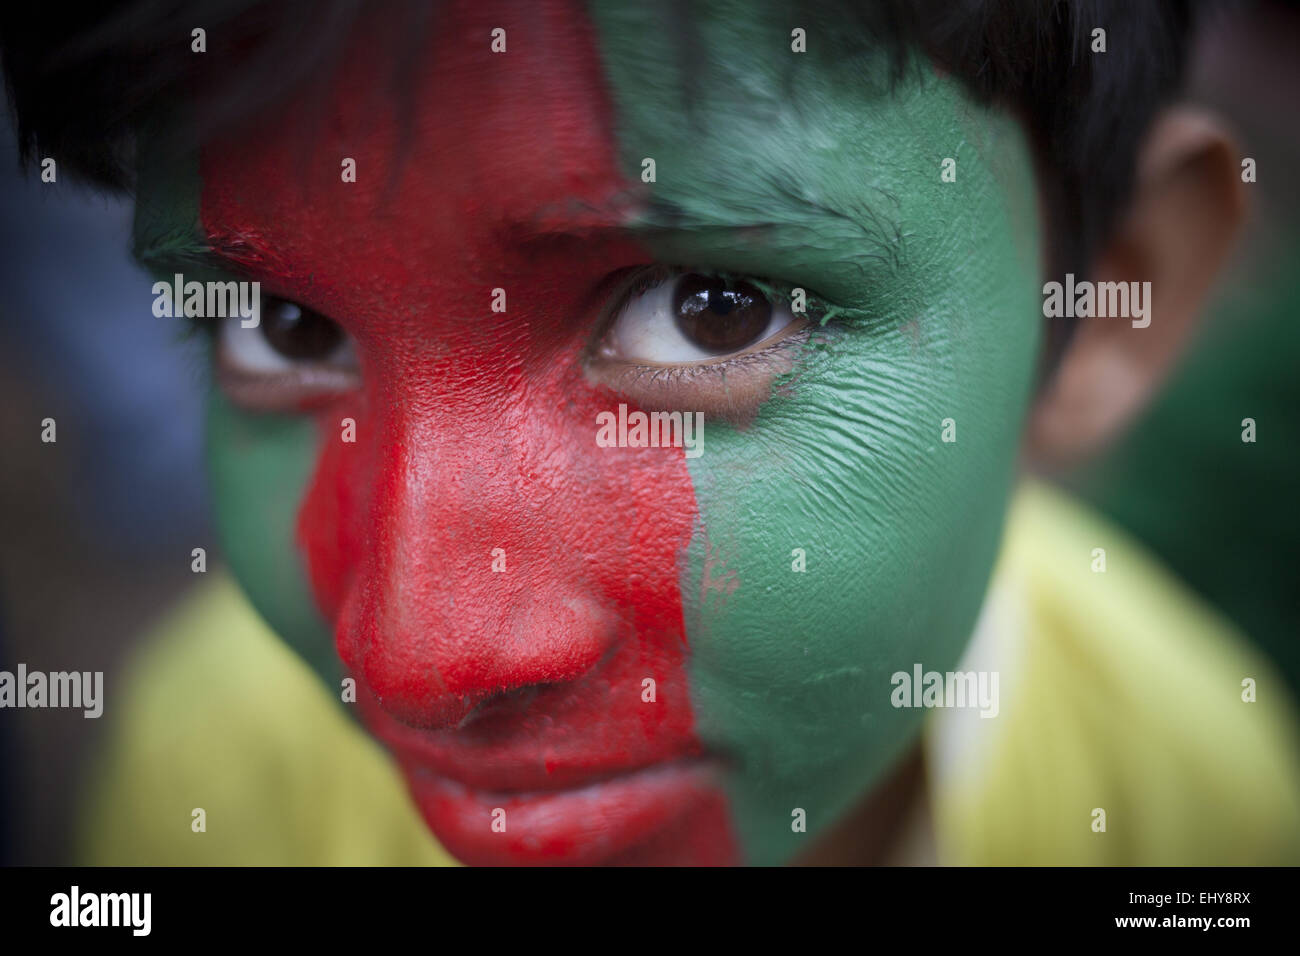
(432,665)
(431,711)
(504,703)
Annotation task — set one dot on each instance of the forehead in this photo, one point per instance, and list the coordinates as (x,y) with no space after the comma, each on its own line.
(431,141)
(706,141)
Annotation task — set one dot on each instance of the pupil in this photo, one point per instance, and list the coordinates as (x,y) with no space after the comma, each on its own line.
(298,333)
(719,317)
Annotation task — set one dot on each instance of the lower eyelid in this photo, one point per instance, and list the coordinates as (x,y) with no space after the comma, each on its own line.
(295,390)
(731,390)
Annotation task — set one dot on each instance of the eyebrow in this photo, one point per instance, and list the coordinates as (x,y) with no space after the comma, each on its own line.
(172,249)
(220,251)
(623,215)
(863,223)
(878,235)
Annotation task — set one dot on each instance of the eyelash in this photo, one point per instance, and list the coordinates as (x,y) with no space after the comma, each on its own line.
(207,326)
(816,309)
(817,312)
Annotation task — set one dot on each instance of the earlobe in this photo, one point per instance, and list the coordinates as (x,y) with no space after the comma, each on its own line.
(1187,209)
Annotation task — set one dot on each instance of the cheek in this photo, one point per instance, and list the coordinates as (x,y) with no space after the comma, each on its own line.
(844,540)
(260,466)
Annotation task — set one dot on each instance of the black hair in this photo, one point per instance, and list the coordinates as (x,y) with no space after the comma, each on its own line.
(82,77)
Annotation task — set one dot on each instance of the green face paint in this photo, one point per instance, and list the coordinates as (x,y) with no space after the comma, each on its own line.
(260,466)
(810,170)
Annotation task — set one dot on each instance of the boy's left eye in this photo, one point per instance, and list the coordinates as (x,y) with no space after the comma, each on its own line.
(294,358)
(695,342)
(690,318)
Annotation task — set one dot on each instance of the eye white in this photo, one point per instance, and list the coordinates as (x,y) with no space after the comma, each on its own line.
(248,351)
(646,329)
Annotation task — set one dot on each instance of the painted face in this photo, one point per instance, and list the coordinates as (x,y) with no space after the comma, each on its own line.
(638,654)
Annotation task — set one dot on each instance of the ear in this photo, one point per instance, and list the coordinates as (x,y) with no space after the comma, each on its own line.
(1188,207)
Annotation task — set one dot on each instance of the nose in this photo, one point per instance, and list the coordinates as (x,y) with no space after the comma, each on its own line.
(466,583)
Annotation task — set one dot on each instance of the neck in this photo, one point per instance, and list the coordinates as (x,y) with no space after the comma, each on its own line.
(891,825)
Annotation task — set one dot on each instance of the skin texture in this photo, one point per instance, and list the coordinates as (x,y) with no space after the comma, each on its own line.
(475,430)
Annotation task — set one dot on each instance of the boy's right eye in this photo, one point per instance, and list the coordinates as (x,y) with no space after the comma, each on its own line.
(299,334)
(292,360)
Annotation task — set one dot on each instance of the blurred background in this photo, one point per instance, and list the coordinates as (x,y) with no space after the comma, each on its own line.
(96,529)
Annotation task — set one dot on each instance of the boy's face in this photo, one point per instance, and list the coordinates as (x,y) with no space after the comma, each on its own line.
(825,537)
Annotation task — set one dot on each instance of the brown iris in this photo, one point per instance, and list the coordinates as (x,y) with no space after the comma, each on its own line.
(298,333)
(720,316)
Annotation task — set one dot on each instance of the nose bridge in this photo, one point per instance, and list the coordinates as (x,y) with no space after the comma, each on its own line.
(461,591)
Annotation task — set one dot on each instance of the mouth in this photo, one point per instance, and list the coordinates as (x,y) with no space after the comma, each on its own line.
(672,812)
(560,777)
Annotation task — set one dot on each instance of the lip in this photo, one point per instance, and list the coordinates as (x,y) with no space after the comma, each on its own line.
(645,816)
(555,739)
(580,782)
(521,767)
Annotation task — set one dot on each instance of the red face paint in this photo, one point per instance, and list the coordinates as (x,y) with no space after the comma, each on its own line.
(475,430)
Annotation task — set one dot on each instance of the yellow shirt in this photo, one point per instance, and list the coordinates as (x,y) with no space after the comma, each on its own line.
(1121,691)
(1120,706)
